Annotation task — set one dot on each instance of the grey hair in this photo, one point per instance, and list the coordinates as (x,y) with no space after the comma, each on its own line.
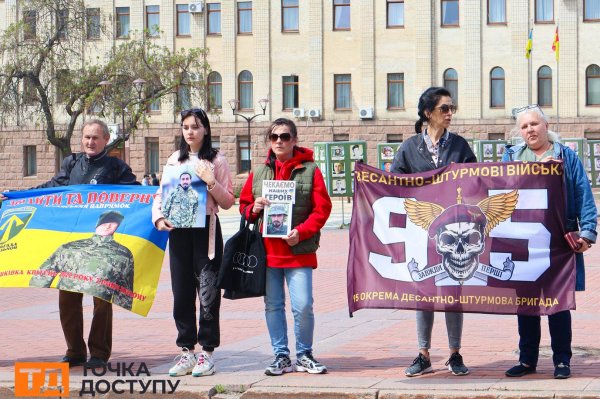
(98,122)
(516,130)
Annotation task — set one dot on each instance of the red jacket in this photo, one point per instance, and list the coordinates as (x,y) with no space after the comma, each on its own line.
(278,251)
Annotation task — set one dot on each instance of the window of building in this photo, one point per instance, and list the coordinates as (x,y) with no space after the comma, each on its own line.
(290,92)
(451,83)
(122,22)
(62,19)
(591,10)
(152,155)
(341,137)
(341,14)
(592,85)
(394,138)
(213,11)
(544,11)
(30,161)
(215,90)
(92,23)
(496,11)
(183,20)
(544,81)
(58,159)
(215,141)
(449,12)
(245,90)
(243,154)
(244,17)
(497,88)
(342,90)
(30,21)
(154,106)
(395,85)
(184,97)
(62,85)
(289,15)
(395,13)
(29,92)
(153,20)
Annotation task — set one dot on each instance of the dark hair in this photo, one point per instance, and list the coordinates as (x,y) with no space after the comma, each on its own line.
(206,151)
(185,173)
(427,102)
(276,123)
(281,122)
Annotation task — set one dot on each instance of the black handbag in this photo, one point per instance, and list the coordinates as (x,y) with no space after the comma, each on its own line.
(243,272)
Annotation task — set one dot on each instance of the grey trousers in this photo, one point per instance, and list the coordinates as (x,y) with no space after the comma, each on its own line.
(454,324)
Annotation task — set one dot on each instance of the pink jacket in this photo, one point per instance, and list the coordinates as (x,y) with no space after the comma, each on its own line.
(220,196)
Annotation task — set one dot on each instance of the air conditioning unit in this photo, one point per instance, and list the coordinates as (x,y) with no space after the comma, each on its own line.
(196,8)
(365,113)
(315,113)
(298,112)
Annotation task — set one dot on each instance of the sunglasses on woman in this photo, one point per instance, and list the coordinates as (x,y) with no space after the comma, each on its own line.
(285,137)
(445,108)
(192,111)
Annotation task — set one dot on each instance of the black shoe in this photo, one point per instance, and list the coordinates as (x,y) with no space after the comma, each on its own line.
(421,365)
(519,370)
(73,361)
(562,371)
(95,362)
(456,365)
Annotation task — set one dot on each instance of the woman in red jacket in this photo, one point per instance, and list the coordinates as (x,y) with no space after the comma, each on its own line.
(291,258)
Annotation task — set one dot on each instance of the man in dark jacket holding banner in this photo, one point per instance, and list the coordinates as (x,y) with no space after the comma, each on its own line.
(92,166)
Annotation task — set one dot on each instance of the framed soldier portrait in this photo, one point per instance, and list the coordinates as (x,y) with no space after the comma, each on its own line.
(183,197)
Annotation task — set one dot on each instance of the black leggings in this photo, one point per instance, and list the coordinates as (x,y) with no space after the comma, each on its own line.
(193,274)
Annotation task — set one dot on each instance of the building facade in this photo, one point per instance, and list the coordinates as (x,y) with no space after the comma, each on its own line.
(353,70)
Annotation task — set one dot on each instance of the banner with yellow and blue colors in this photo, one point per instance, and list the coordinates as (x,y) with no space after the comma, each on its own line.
(94,239)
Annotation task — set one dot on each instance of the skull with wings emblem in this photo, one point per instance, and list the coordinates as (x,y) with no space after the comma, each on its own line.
(460,230)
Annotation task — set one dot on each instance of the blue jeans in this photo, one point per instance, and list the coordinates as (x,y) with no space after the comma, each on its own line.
(530,333)
(454,324)
(299,281)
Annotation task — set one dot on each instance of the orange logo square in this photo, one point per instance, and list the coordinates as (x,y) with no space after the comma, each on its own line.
(41,379)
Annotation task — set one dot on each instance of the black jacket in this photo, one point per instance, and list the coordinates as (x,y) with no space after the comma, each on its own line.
(414,157)
(99,169)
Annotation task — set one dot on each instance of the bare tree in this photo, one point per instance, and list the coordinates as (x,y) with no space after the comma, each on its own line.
(50,71)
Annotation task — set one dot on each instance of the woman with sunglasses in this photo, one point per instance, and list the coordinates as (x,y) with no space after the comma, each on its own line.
(292,258)
(541,145)
(195,253)
(427,150)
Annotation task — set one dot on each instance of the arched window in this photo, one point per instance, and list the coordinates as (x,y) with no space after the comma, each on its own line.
(592,85)
(451,83)
(245,89)
(215,85)
(544,81)
(497,88)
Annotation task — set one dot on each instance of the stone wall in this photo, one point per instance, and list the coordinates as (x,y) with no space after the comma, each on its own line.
(13,141)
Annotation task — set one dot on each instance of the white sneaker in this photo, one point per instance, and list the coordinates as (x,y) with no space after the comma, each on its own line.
(204,366)
(185,365)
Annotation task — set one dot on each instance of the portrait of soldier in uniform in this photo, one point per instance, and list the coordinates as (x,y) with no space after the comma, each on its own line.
(91,261)
(277,224)
(181,206)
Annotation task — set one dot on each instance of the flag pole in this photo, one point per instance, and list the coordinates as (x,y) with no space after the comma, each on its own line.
(557,56)
(530,63)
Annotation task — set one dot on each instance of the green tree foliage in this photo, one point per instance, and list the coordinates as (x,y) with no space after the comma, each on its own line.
(57,52)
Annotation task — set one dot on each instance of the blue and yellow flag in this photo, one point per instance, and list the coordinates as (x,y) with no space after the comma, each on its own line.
(94,239)
(529,45)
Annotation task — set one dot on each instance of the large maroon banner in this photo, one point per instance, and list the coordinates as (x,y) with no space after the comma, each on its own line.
(485,237)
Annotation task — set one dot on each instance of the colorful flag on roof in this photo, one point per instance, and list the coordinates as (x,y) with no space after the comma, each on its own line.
(556,44)
(529,44)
